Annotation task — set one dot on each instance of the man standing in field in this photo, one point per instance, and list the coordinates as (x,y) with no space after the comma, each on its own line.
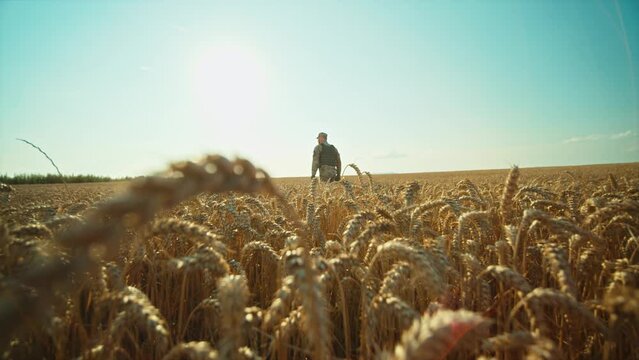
(326,158)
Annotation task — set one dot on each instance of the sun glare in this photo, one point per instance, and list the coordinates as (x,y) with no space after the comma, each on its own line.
(230,82)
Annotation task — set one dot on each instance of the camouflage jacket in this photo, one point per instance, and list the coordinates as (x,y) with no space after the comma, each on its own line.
(327,159)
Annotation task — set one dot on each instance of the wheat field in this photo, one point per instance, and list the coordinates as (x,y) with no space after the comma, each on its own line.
(215,260)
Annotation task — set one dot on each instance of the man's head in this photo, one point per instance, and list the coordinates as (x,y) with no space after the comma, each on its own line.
(321,137)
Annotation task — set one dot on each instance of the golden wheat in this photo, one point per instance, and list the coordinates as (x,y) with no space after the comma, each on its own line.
(212,259)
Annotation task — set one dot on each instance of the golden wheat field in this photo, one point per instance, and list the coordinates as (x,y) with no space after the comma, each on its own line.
(215,260)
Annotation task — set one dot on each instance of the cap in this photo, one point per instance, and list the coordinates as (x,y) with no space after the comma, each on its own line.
(322,134)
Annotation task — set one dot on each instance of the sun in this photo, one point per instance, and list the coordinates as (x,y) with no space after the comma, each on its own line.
(229,80)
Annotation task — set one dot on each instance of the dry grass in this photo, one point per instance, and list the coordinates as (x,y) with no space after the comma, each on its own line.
(216,260)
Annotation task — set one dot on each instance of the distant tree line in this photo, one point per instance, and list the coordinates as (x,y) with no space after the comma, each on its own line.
(53,179)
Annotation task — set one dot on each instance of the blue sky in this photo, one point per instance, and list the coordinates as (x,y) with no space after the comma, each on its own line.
(124,87)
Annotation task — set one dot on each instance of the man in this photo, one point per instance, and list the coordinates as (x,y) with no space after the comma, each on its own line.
(326,158)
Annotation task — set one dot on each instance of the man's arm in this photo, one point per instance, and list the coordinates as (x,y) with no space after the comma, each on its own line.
(316,156)
(339,165)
